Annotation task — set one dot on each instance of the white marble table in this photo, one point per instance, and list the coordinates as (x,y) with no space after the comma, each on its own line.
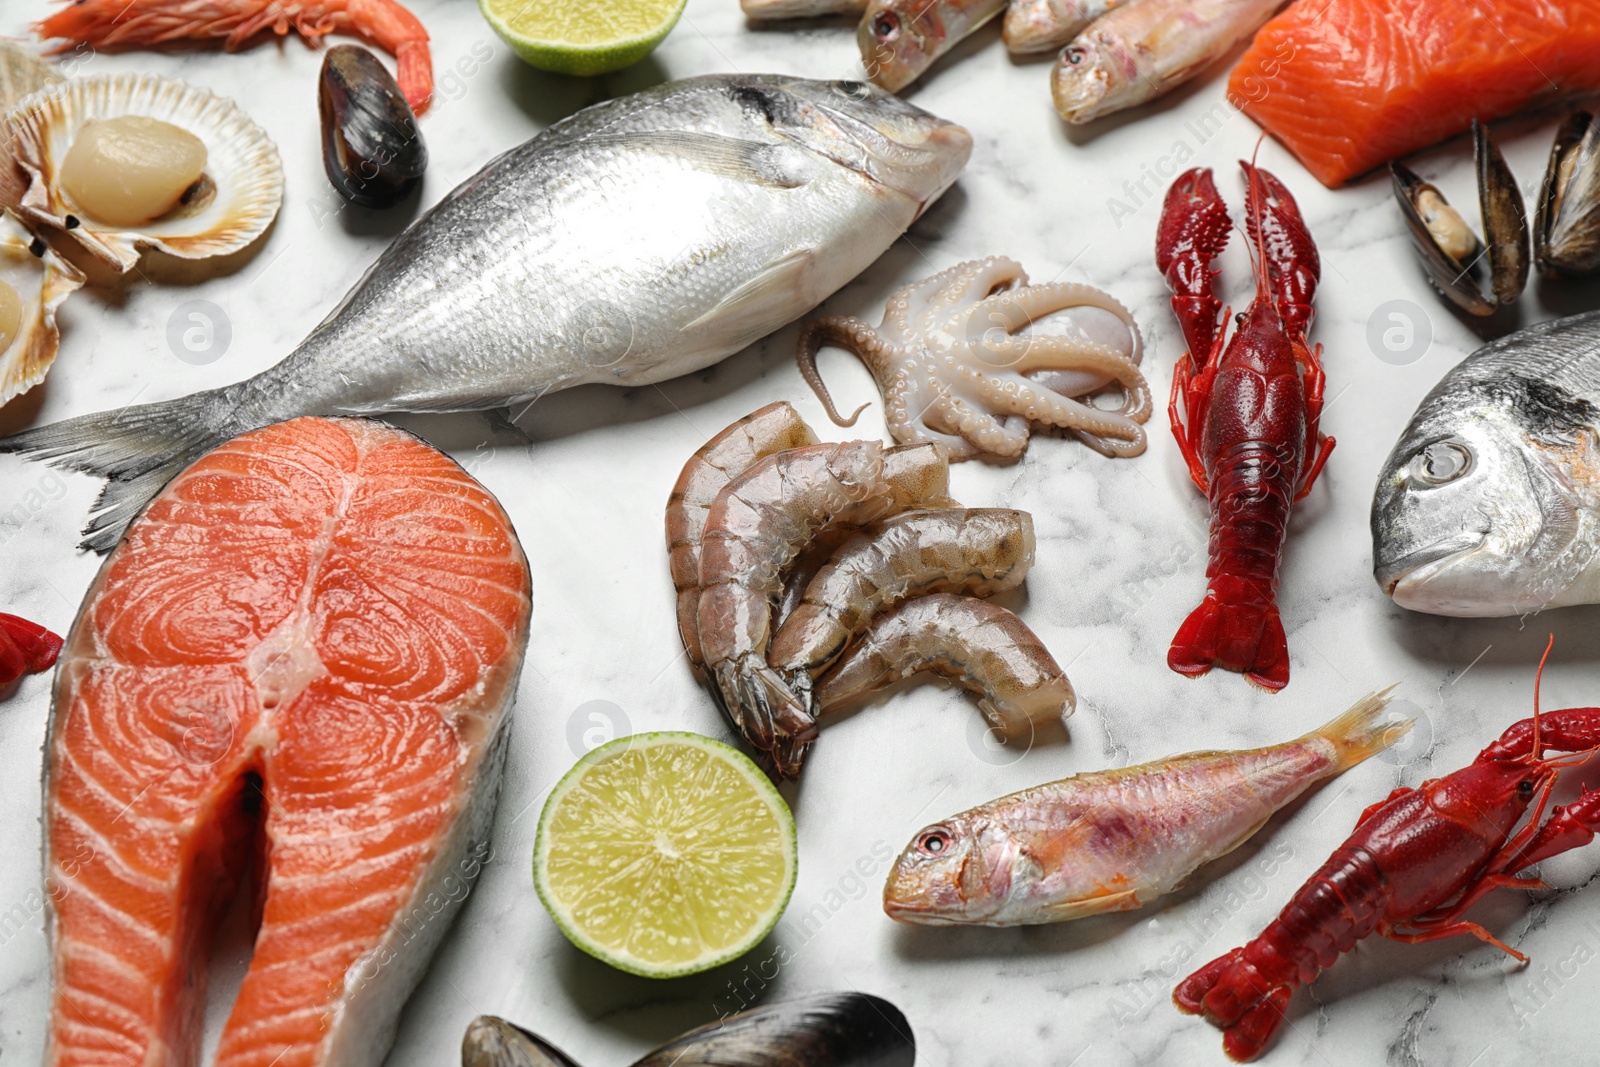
(1120,563)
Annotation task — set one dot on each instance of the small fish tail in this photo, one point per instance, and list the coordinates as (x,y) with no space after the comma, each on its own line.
(137,449)
(1357,733)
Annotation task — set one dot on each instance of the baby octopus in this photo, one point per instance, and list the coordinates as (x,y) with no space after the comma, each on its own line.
(955,366)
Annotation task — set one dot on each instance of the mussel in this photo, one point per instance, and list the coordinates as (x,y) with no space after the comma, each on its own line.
(1478,276)
(826,1030)
(1566,227)
(372,149)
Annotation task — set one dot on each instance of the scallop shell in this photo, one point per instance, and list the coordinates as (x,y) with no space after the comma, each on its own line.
(43,279)
(241,161)
(21,73)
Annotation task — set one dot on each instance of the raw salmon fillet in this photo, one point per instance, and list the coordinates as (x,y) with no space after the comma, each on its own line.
(298,663)
(1348,85)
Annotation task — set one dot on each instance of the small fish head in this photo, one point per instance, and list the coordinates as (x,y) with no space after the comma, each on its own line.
(946,877)
(899,39)
(873,132)
(1084,79)
(1473,515)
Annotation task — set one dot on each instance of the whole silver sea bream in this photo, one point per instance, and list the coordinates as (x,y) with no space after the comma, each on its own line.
(1489,504)
(640,239)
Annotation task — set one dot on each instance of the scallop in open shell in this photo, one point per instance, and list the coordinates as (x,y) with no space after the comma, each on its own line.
(231,204)
(33,282)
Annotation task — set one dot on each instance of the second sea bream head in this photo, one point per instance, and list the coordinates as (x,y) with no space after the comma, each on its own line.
(1489,504)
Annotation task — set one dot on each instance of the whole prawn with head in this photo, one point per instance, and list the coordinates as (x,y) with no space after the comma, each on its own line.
(1250,410)
(145,23)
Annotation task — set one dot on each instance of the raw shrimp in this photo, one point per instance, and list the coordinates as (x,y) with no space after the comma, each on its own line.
(757,525)
(773,428)
(980,646)
(140,23)
(980,552)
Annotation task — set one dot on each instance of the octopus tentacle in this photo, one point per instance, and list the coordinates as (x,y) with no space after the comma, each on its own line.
(854,336)
(982,429)
(1037,301)
(1028,352)
(1039,404)
(1111,447)
(908,411)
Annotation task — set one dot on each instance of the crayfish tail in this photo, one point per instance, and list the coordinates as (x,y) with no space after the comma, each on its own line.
(1238,637)
(1234,996)
(1193,989)
(1249,1037)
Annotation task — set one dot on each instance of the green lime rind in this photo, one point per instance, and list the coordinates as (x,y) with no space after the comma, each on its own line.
(581,60)
(763,788)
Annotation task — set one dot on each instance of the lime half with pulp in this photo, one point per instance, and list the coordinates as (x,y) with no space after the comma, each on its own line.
(582,37)
(665,854)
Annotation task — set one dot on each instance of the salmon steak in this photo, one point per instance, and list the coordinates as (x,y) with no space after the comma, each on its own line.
(1348,85)
(291,680)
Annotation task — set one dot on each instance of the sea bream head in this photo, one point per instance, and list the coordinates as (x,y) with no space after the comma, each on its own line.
(860,126)
(904,151)
(1487,504)
(954,872)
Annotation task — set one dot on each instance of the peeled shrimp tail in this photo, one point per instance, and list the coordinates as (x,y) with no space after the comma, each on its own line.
(136,449)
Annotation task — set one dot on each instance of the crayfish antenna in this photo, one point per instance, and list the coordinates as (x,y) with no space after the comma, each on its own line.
(1538,677)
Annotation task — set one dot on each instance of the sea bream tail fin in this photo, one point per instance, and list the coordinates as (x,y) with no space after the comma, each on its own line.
(1358,734)
(137,449)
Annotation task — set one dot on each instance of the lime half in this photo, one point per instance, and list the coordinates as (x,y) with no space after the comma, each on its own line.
(665,854)
(582,38)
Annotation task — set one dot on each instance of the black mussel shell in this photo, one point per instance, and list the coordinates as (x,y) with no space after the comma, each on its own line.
(827,1030)
(1566,227)
(1505,218)
(1487,278)
(493,1042)
(371,146)
(1461,280)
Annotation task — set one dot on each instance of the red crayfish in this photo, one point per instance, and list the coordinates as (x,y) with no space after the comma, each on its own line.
(1251,407)
(1414,865)
(25,648)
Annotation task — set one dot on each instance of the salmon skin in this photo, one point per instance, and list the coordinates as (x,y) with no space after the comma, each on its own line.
(292,679)
(1348,85)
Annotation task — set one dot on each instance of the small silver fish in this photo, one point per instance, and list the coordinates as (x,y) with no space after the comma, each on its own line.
(1489,504)
(765,10)
(1035,26)
(1143,50)
(1116,840)
(642,238)
(899,39)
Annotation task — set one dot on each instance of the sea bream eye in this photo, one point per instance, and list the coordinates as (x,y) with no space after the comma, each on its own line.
(886,27)
(934,842)
(1441,462)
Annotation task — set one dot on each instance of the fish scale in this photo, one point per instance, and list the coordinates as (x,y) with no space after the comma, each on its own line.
(351,768)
